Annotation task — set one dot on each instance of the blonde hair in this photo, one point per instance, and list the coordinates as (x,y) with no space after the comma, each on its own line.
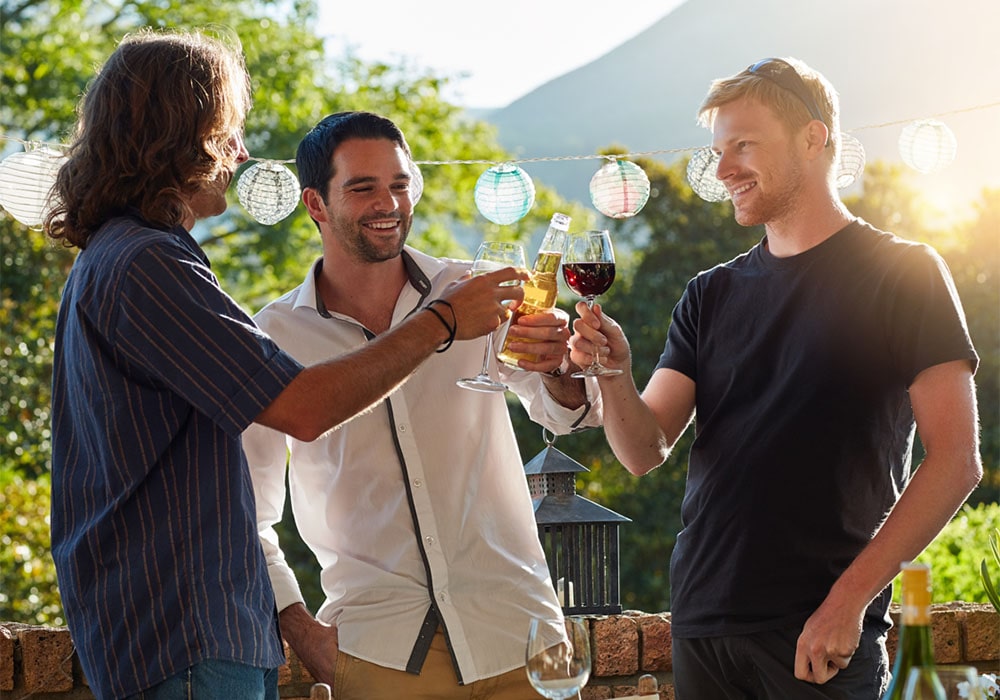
(788,107)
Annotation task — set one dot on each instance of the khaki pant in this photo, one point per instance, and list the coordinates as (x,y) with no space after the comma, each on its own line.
(360,680)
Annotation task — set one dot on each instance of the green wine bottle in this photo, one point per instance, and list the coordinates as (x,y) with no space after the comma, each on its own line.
(916,648)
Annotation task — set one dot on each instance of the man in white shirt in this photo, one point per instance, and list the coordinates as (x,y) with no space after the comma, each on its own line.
(417,511)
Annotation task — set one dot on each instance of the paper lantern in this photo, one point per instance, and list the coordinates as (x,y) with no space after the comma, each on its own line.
(701,175)
(852,161)
(416,183)
(269,191)
(927,145)
(619,189)
(504,193)
(26,181)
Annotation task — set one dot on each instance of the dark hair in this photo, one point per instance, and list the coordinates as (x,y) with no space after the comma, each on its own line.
(154,126)
(314,157)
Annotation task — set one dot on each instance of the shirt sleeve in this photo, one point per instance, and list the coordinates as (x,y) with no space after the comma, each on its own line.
(266,450)
(175,327)
(544,410)
(926,319)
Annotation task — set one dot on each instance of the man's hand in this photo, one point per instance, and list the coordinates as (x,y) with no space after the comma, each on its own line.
(314,642)
(828,641)
(594,333)
(544,334)
(478,302)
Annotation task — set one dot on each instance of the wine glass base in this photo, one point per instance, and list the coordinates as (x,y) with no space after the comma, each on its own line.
(595,372)
(481,383)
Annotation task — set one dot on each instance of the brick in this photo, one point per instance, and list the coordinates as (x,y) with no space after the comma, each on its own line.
(46,659)
(656,644)
(6,659)
(946,634)
(982,637)
(615,649)
(599,692)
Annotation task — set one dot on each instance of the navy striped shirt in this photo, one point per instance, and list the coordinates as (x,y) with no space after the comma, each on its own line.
(157,373)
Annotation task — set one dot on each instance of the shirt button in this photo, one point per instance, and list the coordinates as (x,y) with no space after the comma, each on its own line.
(442,597)
(430,540)
(402,428)
(418,482)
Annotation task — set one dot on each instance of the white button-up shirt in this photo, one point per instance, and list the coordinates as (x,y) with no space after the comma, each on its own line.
(420,503)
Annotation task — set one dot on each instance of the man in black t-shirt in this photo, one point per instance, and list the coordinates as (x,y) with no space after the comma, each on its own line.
(807,364)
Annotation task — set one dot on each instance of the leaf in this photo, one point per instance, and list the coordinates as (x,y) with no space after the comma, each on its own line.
(991,591)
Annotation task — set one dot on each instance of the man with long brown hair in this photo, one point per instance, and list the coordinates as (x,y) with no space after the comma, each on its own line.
(158,372)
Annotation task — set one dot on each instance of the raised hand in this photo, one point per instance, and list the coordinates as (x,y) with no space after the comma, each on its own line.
(595,332)
(478,302)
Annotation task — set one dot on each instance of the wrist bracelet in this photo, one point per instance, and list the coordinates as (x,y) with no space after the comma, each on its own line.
(452,329)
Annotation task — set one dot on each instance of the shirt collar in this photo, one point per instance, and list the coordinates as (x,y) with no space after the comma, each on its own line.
(419,270)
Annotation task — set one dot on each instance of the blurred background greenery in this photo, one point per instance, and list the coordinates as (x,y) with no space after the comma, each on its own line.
(50,50)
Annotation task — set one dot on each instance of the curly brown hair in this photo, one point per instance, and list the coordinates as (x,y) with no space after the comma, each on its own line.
(154,127)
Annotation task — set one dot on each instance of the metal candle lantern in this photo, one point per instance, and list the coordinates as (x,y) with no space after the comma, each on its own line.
(579,537)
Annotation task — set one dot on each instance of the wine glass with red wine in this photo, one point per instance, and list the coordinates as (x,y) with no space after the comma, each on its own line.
(589,270)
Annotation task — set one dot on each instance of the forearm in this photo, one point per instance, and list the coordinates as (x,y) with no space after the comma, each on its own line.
(936,491)
(631,428)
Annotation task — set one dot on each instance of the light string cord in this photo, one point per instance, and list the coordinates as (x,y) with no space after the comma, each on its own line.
(595,156)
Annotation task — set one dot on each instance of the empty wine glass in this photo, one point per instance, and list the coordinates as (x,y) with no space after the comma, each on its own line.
(589,269)
(558,666)
(492,255)
(943,683)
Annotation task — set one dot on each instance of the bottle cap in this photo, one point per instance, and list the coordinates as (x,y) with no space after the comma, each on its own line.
(916,593)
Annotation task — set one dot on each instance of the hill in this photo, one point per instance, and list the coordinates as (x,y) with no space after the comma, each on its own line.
(891,60)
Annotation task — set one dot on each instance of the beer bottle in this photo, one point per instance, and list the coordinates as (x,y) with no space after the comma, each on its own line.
(541,290)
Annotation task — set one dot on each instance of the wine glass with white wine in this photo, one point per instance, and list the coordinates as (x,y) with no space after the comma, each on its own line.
(558,668)
(492,255)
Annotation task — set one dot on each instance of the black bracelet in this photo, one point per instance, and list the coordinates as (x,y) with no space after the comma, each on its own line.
(451,329)
(454,319)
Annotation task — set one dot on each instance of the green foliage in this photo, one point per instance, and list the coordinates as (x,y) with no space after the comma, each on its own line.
(955,555)
(28,591)
(984,570)
(50,50)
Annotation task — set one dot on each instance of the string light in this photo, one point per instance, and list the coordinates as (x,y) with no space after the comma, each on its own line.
(268,191)
(701,175)
(852,161)
(504,193)
(26,181)
(619,189)
(926,145)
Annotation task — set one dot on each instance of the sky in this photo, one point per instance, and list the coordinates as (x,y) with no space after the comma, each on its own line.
(503,49)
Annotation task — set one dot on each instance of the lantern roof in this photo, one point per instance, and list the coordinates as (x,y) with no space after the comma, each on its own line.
(553,509)
(552,461)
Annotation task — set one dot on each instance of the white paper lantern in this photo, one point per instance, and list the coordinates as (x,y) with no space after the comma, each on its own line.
(416,183)
(26,181)
(269,191)
(927,145)
(852,161)
(701,175)
(504,193)
(619,189)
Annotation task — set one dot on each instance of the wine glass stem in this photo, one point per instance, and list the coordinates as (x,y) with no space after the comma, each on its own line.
(486,355)
(595,364)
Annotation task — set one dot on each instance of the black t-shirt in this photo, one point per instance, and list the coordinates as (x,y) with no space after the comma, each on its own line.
(804,428)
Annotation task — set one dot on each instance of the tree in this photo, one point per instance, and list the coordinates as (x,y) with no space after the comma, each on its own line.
(50,50)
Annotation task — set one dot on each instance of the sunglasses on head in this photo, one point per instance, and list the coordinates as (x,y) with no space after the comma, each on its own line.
(784,75)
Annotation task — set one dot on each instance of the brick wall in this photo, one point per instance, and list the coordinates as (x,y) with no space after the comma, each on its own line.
(39,662)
